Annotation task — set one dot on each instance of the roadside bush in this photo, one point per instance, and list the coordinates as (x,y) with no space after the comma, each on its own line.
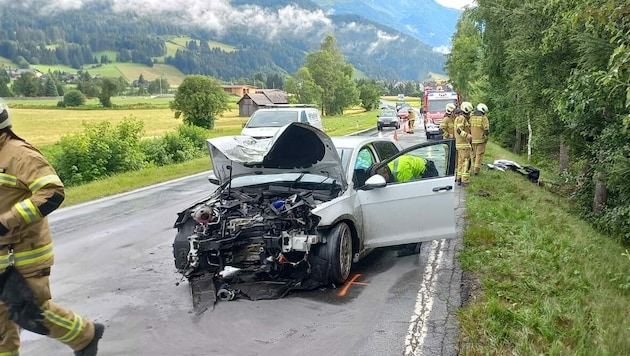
(197,135)
(174,147)
(99,151)
(74,98)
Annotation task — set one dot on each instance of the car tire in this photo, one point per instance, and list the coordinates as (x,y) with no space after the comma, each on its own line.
(397,126)
(181,246)
(379,127)
(337,251)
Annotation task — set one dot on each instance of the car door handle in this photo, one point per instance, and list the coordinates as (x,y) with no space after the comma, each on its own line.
(446,187)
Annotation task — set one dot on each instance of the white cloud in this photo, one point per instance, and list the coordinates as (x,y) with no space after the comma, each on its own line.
(215,15)
(442,49)
(456,4)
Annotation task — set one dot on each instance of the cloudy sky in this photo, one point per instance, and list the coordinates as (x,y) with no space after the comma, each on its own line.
(456,4)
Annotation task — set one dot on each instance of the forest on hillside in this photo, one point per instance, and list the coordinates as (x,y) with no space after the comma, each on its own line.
(76,39)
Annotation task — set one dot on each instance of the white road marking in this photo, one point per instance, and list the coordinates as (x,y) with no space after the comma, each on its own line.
(418,327)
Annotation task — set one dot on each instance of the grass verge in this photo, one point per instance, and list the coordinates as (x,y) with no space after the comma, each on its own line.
(548,283)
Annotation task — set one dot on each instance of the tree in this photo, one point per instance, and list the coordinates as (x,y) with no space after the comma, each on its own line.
(199,99)
(159,86)
(5,80)
(109,88)
(369,93)
(50,89)
(303,89)
(87,85)
(74,98)
(28,85)
(333,75)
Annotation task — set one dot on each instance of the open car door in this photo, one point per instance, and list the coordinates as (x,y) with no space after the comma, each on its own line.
(418,209)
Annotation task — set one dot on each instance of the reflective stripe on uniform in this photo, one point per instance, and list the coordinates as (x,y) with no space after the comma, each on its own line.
(24,258)
(29,212)
(74,327)
(10,353)
(43,181)
(8,180)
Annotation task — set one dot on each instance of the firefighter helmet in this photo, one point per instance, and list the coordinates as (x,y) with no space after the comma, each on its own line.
(5,119)
(482,107)
(450,107)
(467,107)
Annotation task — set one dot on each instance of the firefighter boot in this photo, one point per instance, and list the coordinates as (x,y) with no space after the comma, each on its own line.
(92,347)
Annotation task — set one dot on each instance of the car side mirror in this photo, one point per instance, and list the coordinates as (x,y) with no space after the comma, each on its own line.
(212,178)
(375,181)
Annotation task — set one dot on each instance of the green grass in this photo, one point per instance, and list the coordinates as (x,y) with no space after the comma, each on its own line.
(129,71)
(550,284)
(6,62)
(179,42)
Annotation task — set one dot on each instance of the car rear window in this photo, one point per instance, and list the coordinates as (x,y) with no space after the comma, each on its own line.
(272,118)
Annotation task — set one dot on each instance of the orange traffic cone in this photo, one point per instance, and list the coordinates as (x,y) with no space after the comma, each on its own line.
(396,135)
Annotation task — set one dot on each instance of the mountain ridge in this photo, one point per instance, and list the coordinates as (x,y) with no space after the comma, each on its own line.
(274,37)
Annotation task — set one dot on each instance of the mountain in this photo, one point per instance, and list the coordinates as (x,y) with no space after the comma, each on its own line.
(268,36)
(425,20)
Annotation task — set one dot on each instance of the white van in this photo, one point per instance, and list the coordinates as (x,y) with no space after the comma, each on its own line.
(266,122)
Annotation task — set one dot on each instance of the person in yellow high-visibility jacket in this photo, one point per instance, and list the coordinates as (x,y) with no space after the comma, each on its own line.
(29,191)
(407,167)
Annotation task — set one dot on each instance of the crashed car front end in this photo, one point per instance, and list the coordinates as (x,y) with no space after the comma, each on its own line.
(259,221)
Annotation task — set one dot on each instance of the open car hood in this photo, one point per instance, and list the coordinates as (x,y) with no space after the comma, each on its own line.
(296,147)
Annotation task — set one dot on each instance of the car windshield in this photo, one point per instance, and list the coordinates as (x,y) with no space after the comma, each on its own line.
(274,118)
(440,105)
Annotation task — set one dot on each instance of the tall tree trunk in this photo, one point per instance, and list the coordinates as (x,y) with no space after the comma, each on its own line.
(563,157)
(600,197)
(518,142)
(529,138)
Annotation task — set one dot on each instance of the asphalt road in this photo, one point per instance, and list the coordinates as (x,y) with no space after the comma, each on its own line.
(114,265)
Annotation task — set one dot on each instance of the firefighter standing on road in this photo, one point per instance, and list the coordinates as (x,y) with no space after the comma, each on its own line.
(411,119)
(479,129)
(448,122)
(463,140)
(30,190)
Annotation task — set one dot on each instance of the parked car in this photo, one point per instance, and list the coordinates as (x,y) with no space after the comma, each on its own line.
(302,207)
(387,118)
(403,113)
(265,122)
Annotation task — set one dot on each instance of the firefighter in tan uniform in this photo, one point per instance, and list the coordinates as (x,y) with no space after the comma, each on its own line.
(411,119)
(463,140)
(479,129)
(29,191)
(448,122)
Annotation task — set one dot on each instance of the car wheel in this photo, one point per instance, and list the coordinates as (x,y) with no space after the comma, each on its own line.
(181,246)
(398,126)
(337,251)
(379,127)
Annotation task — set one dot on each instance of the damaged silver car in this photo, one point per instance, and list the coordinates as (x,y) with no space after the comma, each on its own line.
(296,210)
